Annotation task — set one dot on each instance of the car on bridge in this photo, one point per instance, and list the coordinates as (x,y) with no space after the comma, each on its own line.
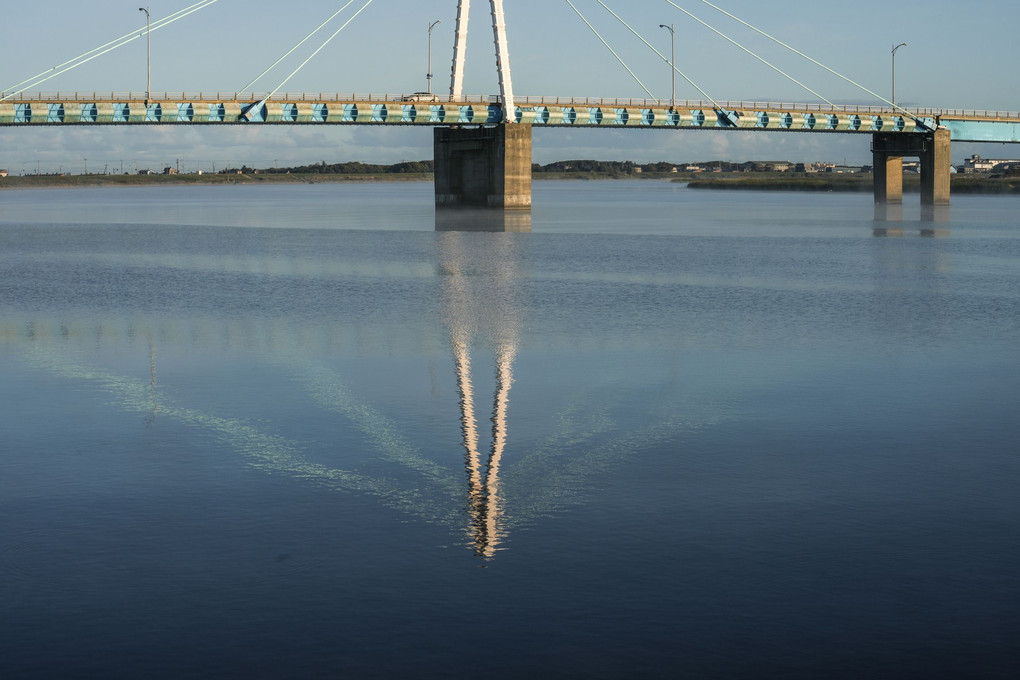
(420,97)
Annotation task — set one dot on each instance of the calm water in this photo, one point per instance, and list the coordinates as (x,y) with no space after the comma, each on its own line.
(298,432)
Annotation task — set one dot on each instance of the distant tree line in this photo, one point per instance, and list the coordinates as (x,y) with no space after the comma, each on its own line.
(613,168)
(606,167)
(627,167)
(348,168)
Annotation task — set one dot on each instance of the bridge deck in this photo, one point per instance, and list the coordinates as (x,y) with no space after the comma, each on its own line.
(110,108)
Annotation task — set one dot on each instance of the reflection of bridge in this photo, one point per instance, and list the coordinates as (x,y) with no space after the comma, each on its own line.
(492,168)
(100,343)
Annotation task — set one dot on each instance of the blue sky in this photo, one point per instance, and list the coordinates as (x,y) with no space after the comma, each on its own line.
(958,55)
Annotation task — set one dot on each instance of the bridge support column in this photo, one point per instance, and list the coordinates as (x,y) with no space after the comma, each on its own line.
(932,149)
(483,167)
(935,169)
(888,179)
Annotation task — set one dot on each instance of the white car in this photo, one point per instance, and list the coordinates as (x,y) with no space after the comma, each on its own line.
(420,97)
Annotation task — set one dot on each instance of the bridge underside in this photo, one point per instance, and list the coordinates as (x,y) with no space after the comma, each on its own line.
(933,151)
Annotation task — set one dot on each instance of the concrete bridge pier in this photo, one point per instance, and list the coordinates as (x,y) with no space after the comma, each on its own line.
(483,167)
(932,149)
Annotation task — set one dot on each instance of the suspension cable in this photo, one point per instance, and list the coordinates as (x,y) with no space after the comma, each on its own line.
(306,38)
(813,61)
(661,56)
(321,47)
(731,40)
(618,58)
(81,59)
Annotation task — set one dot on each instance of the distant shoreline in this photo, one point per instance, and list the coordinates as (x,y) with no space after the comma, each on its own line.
(82,181)
(961,184)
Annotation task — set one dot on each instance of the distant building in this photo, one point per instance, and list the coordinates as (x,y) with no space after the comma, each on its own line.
(978,164)
(169,171)
(765,166)
(3,173)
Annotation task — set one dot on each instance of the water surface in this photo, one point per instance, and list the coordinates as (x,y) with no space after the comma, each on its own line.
(296,431)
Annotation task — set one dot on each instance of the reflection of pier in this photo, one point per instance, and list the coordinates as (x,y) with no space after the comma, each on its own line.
(468,219)
(889,220)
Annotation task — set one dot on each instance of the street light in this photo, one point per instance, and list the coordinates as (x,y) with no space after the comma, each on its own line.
(894,71)
(428,73)
(672,63)
(148,56)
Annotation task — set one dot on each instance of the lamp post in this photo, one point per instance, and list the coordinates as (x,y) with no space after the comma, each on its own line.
(894,71)
(148,56)
(428,73)
(672,63)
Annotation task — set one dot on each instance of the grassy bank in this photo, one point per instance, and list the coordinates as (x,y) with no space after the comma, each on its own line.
(961,184)
(71,181)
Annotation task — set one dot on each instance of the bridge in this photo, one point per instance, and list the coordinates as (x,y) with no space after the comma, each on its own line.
(483,144)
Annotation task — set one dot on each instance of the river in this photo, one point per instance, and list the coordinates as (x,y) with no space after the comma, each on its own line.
(313,431)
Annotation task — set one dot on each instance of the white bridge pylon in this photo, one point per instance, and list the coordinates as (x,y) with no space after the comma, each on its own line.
(506,90)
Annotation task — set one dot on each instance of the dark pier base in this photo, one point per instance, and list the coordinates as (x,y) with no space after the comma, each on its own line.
(483,167)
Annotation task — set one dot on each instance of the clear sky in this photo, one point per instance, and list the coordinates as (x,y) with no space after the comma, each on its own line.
(958,54)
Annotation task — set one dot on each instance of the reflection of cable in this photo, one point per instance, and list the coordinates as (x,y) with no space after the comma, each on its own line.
(326,388)
(262,450)
(551,478)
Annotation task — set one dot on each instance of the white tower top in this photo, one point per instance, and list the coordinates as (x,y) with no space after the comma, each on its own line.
(506,91)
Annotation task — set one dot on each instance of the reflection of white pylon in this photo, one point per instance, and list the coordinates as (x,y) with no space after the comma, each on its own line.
(484,504)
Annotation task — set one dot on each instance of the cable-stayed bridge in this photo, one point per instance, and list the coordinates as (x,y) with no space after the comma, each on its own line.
(483,143)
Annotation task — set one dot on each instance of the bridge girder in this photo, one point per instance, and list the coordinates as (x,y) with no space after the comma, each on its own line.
(432,110)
